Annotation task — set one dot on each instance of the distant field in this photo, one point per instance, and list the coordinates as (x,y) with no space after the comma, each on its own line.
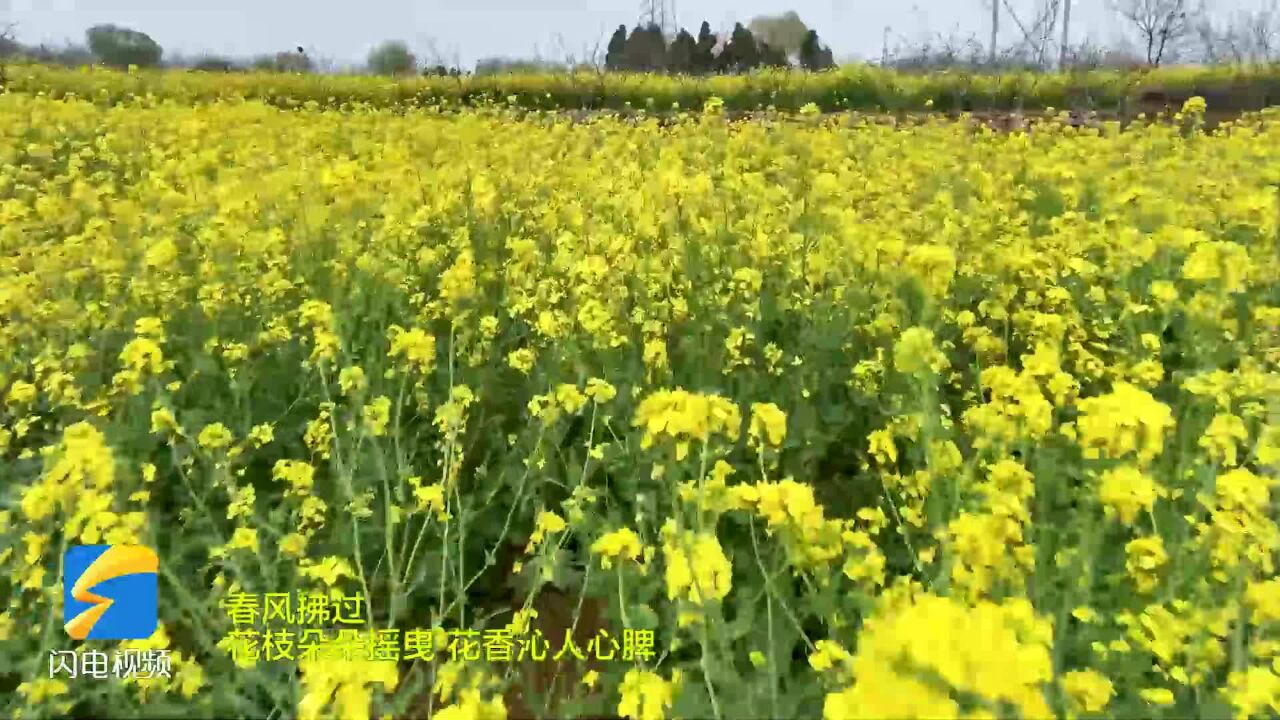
(862,88)
(544,418)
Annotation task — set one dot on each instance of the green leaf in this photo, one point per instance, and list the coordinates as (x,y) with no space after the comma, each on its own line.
(642,617)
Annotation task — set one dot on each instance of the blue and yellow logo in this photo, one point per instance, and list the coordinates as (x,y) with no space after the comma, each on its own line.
(110,592)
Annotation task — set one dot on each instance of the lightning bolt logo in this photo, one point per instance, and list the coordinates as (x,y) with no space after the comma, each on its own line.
(127,612)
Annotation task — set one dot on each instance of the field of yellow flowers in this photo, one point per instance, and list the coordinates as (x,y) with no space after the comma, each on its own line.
(854,87)
(801,418)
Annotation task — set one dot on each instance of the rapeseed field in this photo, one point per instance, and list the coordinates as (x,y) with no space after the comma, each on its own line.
(854,87)
(793,418)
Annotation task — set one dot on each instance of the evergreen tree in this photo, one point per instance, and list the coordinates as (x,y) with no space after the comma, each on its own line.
(122,47)
(615,55)
(704,57)
(681,55)
(392,58)
(813,56)
(741,54)
(646,50)
(774,57)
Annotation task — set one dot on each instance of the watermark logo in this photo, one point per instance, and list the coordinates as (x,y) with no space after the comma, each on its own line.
(126,664)
(110,592)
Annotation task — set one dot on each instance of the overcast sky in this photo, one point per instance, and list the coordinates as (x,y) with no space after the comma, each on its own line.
(466,30)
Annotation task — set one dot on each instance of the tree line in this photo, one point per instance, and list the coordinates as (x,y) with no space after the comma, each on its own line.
(121,47)
(1154,33)
(783,41)
(1159,32)
(646,49)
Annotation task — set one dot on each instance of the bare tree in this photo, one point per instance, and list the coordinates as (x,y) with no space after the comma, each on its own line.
(1249,36)
(1037,37)
(560,48)
(1089,55)
(588,59)
(1066,34)
(438,62)
(1047,21)
(1162,25)
(592,55)
(995,30)
(936,51)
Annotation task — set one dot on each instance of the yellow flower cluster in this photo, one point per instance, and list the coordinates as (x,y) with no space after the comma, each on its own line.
(989,543)
(1125,421)
(686,417)
(697,569)
(345,684)
(980,655)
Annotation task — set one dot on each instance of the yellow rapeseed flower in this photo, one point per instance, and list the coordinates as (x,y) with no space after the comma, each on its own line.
(1126,421)
(1087,690)
(621,543)
(1126,491)
(768,424)
(644,695)
(215,436)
